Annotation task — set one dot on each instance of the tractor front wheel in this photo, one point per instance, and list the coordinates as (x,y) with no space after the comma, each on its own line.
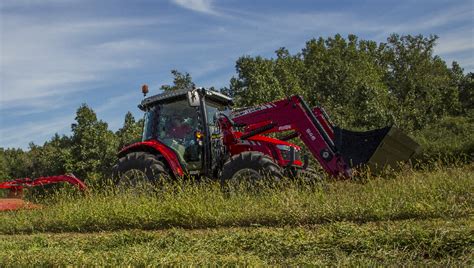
(249,171)
(138,168)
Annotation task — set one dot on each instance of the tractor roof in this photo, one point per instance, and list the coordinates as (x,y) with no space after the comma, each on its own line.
(172,95)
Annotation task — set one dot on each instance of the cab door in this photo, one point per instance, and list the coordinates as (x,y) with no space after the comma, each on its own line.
(215,135)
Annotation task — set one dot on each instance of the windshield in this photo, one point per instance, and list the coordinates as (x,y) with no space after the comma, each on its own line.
(212,109)
(175,125)
(170,120)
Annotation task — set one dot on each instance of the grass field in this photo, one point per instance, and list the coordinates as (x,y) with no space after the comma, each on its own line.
(414,217)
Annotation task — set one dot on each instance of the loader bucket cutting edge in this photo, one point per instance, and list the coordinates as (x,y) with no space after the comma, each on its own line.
(377,149)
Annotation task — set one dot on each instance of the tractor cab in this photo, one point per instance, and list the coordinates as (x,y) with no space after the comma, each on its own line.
(183,121)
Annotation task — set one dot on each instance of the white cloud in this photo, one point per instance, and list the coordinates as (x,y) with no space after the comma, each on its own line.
(19,135)
(30,3)
(116,101)
(203,6)
(430,21)
(127,45)
(457,46)
(44,60)
(456,41)
(281,29)
(427,22)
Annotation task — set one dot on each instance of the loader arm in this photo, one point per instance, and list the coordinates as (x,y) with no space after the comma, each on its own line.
(294,114)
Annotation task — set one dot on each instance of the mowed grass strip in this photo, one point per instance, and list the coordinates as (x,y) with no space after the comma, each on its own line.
(406,242)
(440,193)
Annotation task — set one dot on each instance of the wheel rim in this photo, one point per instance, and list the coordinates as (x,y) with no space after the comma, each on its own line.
(246,179)
(246,174)
(133,178)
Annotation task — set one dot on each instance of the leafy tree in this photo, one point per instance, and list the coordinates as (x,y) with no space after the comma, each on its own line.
(361,83)
(130,132)
(256,82)
(4,168)
(465,85)
(466,93)
(93,145)
(54,157)
(342,76)
(14,163)
(419,81)
(181,81)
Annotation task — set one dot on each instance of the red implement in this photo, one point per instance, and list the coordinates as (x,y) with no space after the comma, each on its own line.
(9,204)
(14,201)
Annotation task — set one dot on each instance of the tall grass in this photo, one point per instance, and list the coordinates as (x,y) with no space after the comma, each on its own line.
(440,193)
(411,242)
(449,140)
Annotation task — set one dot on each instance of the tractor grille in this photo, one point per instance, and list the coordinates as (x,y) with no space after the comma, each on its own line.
(286,154)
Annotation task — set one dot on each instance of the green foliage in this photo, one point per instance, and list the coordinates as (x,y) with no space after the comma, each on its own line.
(94,147)
(4,168)
(53,158)
(420,82)
(465,84)
(344,77)
(361,83)
(15,163)
(181,81)
(130,132)
(89,153)
(449,139)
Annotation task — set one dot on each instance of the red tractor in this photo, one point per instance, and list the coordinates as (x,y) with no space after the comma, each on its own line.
(194,133)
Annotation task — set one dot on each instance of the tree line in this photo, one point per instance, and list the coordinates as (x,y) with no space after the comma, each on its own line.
(89,152)
(364,84)
(361,83)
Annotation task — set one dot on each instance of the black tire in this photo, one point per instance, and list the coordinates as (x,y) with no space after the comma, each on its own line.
(310,175)
(249,170)
(311,179)
(137,167)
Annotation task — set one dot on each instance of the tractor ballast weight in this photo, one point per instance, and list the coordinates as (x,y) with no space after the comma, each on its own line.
(224,140)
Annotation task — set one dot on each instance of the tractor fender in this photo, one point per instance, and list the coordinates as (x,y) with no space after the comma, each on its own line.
(157,148)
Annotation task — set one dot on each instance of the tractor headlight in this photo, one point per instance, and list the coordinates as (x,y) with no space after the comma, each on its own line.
(283,147)
(285,151)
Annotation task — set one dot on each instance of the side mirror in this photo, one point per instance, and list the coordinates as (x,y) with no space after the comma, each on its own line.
(193,98)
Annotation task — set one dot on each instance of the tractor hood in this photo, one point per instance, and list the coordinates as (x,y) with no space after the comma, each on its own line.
(266,139)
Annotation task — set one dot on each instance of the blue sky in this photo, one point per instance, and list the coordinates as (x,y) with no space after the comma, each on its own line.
(58,54)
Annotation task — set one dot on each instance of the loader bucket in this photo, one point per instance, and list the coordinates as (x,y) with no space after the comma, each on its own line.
(377,149)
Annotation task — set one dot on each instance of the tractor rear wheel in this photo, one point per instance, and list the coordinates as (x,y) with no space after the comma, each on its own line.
(249,171)
(138,168)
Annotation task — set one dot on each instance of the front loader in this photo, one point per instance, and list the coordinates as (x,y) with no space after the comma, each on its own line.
(194,132)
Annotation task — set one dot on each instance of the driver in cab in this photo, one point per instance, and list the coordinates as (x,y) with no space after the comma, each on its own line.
(179,129)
